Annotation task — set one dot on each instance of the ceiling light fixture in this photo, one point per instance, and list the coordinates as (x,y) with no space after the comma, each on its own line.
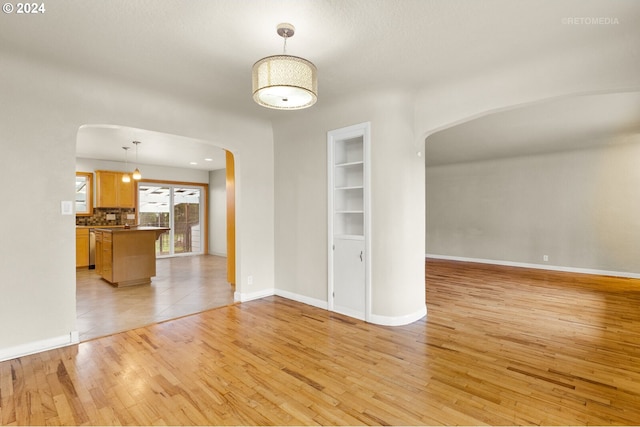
(285,82)
(136,173)
(125,176)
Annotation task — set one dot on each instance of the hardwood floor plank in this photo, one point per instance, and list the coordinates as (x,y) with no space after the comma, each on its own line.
(500,346)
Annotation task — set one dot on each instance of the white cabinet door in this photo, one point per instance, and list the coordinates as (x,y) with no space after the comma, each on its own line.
(349,277)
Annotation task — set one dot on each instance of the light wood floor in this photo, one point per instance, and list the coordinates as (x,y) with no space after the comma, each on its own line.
(500,346)
(182,286)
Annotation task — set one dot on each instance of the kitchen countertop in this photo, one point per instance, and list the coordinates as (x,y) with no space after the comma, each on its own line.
(116,228)
(99,226)
(133,228)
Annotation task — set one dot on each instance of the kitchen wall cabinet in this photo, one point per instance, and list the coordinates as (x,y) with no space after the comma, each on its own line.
(82,247)
(111,192)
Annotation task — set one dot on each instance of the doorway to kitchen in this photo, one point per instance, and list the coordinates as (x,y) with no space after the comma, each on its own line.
(192,260)
(180,207)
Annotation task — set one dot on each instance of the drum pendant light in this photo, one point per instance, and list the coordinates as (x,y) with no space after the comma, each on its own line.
(285,82)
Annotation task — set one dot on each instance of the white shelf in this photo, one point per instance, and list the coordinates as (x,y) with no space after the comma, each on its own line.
(353,187)
(349,151)
(348,164)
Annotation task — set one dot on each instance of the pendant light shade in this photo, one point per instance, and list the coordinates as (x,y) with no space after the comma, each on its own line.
(285,82)
(136,173)
(125,176)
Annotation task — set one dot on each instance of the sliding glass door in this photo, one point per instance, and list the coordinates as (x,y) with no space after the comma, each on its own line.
(186,220)
(179,207)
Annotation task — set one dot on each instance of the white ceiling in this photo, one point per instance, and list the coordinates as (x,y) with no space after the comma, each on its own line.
(105,142)
(202,50)
(563,124)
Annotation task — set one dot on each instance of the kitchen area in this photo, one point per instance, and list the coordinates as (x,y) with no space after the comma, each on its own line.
(124,253)
(143,252)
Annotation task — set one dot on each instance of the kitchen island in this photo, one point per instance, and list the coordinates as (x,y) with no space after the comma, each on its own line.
(127,256)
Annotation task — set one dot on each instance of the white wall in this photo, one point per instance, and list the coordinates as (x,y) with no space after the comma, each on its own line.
(218,212)
(42,109)
(580,208)
(397,203)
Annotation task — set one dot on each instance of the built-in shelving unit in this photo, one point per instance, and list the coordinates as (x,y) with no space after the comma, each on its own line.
(348,188)
(348,158)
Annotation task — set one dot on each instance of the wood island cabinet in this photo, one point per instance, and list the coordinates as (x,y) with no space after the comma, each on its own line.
(126,257)
(107,257)
(98,260)
(111,192)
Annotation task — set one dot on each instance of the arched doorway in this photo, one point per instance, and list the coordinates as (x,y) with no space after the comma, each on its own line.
(183,285)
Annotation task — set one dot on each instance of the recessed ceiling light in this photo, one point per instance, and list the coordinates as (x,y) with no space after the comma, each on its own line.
(193,163)
(208,160)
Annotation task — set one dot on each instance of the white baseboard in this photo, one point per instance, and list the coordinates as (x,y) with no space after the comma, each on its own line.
(324,305)
(398,320)
(303,299)
(538,266)
(349,312)
(37,346)
(250,296)
(220,254)
(375,319)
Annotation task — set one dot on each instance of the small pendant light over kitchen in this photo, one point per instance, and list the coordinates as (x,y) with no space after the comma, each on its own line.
(285,82)
(136,173)
(125,176)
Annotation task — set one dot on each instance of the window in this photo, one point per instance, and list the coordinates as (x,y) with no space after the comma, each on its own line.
(84,195)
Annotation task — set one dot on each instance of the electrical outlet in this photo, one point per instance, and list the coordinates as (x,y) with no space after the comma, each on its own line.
(250,280)
(111,217)
(545,258)
(131,216)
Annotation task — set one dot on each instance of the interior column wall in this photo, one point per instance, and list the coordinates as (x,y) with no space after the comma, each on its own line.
(397,216)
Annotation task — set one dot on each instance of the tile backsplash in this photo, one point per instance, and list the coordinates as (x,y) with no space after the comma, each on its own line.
(99,217)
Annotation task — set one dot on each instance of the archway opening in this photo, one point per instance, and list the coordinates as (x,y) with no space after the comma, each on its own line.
(183,284)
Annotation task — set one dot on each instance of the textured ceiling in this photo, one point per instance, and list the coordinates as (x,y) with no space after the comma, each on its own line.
(202,50)
(571,123)
(105,142)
